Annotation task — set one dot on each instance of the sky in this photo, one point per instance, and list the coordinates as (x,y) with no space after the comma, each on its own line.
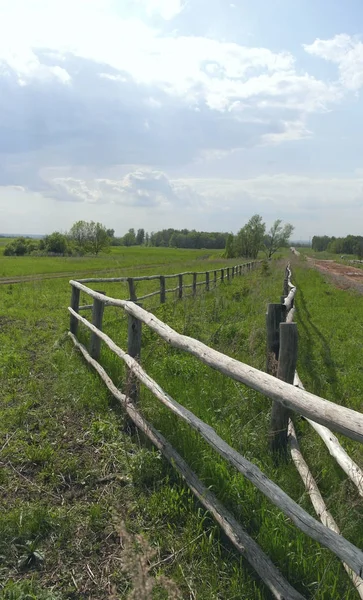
(181,113)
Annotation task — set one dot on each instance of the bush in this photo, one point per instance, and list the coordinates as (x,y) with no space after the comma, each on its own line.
(20,247)
(56,243)
(9,250)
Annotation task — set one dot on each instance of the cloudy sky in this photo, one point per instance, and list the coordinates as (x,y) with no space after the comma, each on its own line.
(181,113)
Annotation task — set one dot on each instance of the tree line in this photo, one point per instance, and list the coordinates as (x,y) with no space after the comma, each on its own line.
(83,237)
(174,238)
(91,238)
(351,244)
(253,237)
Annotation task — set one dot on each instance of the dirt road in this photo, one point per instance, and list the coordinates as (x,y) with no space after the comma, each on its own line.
(344,276)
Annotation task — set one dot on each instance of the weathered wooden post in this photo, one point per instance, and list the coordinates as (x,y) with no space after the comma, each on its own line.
(285,371)
(215,279)
(207,281)
(73,324)
(222,274)
(276,314)
(232,272)
(227,273)
(162,290)
(132,290)
(180,287)
(285,291)
(97,317)
(194,283)
(134,350)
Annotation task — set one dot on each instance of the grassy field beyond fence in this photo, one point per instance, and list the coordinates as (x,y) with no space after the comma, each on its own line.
(73,483)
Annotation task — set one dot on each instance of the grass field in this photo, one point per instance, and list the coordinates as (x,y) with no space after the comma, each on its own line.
(79,494)
(117,261)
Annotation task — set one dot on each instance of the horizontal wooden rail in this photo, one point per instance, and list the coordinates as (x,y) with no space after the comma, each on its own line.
(339,418)
(246,546)
(336,450)
(352,470)
(157,293)
(155,277)
(344,549)
(288,302)
(316,498)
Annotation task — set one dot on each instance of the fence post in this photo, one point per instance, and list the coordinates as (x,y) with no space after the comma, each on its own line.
(97,317)
(207,281)
(180,290)
(73,324)
(285,371)
(215,278)
(222,274)
(162,289)
(232,272)
(194,284)
(227,273)
(276,314)
(134,350)
(132,291)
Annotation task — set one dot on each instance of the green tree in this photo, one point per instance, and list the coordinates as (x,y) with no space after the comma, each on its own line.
(18,247)
(89,236)
(55,242)
(79,235)
(129,239)
(277,237)
(249,240)
(98,238)
(140,237)
(229,251)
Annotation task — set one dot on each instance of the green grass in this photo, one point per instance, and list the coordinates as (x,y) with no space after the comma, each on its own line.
(325,255)
(74,483)
(119,259)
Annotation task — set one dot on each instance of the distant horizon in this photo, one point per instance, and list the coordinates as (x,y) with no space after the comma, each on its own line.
(43,235)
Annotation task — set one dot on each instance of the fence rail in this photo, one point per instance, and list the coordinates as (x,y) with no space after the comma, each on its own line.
(211,278)
(282,346)
(283,431)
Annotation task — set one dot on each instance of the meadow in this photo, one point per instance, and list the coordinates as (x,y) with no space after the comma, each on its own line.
(79,491)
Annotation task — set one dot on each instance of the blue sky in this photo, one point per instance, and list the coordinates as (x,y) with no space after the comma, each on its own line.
(181,113)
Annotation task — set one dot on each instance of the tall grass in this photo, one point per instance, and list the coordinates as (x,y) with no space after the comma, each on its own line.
(63,434)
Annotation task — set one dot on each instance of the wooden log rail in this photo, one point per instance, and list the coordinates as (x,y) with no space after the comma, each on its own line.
(282,427)
(210,276)
(245,545)
(346,551)
(339,418)
(318,411)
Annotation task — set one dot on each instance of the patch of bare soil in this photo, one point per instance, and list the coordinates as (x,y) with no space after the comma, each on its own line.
(343,276)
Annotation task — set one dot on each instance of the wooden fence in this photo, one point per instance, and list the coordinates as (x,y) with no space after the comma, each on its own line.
(211,280)
(283,331)
(276,385)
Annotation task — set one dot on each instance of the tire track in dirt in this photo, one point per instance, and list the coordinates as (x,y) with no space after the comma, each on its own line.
(343,276)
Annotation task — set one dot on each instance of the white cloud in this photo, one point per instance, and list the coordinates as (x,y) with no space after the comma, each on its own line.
(196,69)
(346,52)
(272,193)
(283,194)
(167,9)
(139,189)
(292,130)
(153,200)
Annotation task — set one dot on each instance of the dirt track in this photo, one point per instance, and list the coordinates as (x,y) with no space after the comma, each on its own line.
(343,276)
